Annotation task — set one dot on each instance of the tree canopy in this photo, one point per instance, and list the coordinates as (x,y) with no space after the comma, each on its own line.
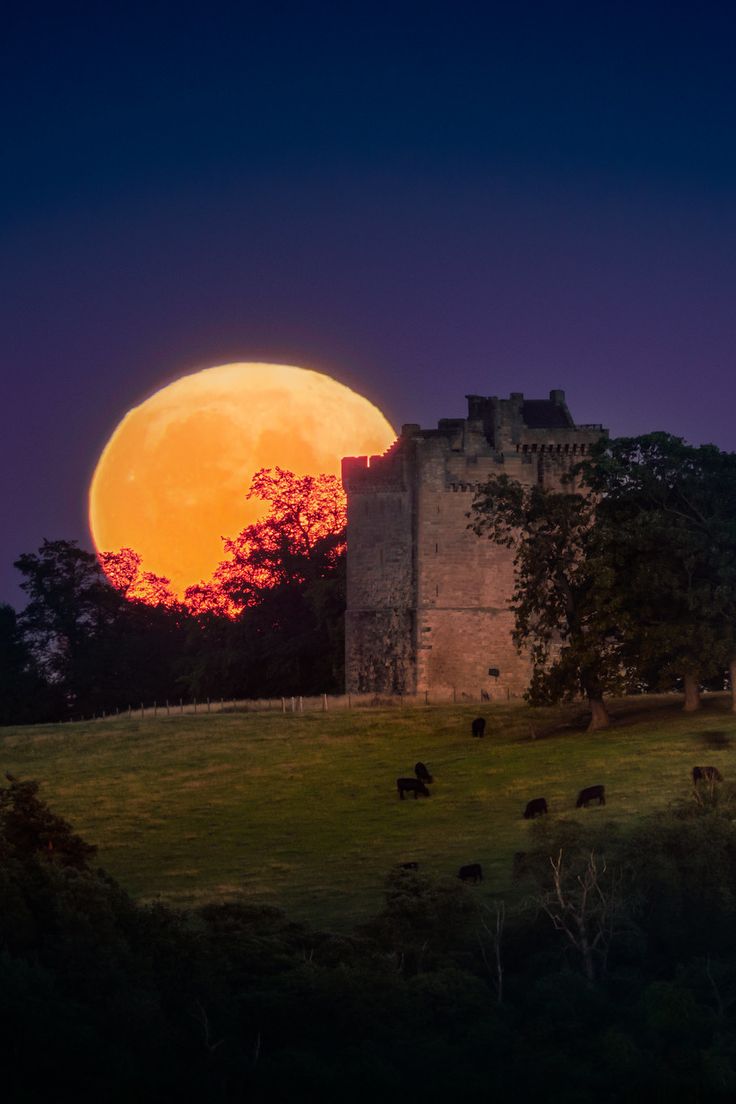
(629,581)
(102,632)
(564,599)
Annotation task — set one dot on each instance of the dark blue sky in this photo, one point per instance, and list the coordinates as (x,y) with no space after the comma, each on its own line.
(421,200)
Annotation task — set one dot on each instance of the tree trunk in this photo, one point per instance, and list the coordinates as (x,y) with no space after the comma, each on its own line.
(692,694)
(598,714)
(732,679)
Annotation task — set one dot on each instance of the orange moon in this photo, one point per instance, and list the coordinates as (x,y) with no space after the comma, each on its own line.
(173,478)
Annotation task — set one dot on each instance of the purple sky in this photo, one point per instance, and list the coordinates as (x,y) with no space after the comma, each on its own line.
(424,202)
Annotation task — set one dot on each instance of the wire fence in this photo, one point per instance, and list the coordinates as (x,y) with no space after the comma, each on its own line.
(313,703)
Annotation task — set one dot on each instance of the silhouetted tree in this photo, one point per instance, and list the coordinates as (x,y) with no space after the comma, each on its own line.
(125,572)
(669,510)
(24,693)
(283,588)
(564,602)
(299,541)
(97,648)
(70,604)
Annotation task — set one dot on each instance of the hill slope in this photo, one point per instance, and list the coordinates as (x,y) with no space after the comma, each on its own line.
(302,811)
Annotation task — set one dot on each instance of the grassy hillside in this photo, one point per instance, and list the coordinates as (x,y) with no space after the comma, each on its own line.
(302,811)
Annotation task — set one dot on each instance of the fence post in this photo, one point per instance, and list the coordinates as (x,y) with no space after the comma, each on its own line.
(293,705)
(141,710)
(324,703)
(208,705)
(168,711)
(301,704)
(283,705)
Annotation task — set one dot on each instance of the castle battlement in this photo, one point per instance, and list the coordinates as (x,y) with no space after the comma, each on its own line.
(428,600)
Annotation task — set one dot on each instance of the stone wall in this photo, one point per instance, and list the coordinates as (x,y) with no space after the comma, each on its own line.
(428,600)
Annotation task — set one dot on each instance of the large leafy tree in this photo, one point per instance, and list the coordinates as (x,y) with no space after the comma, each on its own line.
(98,647)
(564,603)
(24,693)
(299,540)
(669,509)
(70,603)
(282,587)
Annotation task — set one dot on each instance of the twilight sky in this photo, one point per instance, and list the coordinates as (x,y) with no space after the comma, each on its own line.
(422,200)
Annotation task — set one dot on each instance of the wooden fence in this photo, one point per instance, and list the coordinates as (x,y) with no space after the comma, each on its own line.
(316,703)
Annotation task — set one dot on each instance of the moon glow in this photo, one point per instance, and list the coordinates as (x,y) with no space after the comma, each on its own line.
(173,478)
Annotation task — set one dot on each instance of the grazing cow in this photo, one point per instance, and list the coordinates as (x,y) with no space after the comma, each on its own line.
(411,785)
(591,793)
(478,727)
(409,866)
(536,807)
(473,872)
(706,774)
(422,773)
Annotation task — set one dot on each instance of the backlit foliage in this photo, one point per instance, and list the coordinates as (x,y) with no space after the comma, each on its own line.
(125,573)
(300,540)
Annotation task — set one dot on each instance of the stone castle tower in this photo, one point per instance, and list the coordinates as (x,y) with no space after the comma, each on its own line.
(427,599)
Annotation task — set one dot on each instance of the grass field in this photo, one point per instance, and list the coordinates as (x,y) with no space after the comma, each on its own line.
(302,811)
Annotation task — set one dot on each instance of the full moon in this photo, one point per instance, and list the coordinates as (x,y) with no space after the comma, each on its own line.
(173,478)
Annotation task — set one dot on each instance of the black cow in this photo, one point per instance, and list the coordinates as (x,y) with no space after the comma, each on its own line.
(478,727)
(411,785)
(706,774)
(422,773)
(591,793)
(473,872)
(536,807)
(409,866)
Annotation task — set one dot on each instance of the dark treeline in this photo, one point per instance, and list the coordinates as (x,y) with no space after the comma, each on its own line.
(269,622)
(614,980)
(80,647)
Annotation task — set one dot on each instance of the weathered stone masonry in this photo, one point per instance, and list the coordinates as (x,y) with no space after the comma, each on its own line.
(427,600)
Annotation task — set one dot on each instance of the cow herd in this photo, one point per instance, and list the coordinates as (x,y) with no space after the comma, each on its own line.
(473,872)
(538,805)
